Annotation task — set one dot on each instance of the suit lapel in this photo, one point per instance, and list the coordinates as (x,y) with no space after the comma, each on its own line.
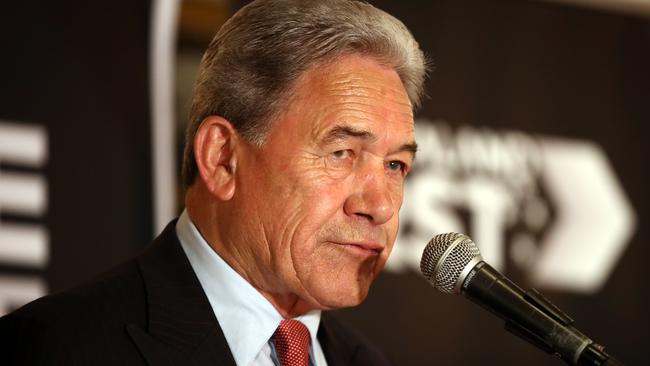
(338,352)
(182,328)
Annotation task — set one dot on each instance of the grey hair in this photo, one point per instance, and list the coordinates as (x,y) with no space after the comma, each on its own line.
(248,71)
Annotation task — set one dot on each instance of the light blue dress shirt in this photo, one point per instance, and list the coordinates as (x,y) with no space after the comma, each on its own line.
(247,318)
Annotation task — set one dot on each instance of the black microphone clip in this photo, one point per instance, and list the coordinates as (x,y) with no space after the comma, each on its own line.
(594,354)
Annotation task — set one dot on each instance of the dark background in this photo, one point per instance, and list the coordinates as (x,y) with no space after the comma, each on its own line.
(543,69)
(81,69)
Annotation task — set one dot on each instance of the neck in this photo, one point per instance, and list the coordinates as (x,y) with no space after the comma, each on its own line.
(288,305)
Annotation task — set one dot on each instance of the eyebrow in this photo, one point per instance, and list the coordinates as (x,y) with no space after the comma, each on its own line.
(342,132)
(411,147)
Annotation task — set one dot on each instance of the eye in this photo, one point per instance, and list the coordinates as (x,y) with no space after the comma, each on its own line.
(342,154)
(340,160)
(396,165)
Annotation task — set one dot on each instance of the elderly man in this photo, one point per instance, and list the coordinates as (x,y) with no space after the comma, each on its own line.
(300,137)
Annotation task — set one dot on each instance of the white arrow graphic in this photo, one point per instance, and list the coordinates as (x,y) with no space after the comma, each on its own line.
(594,218)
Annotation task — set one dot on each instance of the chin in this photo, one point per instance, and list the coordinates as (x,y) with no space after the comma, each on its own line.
(341,286)
(343,295)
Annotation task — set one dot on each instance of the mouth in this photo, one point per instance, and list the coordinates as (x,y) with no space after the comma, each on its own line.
(366,249)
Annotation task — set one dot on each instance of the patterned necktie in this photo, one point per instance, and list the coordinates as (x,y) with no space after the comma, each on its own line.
(291,341)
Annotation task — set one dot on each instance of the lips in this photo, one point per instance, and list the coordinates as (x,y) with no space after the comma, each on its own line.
(368,248)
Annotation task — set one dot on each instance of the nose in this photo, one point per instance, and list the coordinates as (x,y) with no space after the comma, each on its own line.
(372,199)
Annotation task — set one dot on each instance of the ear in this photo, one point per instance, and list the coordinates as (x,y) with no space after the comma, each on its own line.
(214,147)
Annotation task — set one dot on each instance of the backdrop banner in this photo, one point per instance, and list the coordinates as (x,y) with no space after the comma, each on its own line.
(75,187)
(531,143)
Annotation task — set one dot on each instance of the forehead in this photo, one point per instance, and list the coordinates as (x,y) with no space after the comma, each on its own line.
(352,90)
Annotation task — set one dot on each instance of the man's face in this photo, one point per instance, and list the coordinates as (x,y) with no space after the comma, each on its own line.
(322,194)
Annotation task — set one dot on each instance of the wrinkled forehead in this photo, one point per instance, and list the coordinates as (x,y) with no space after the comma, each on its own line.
(365,73)
(356,82)
(356,92)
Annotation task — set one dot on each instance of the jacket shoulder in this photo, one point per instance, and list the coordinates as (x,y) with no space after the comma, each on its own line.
(80,325)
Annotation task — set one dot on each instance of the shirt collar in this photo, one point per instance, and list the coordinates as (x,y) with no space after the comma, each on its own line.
(247,318)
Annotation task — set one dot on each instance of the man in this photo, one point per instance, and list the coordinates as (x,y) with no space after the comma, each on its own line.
(300,137)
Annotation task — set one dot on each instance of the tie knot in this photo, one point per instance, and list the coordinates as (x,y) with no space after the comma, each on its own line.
(291,341)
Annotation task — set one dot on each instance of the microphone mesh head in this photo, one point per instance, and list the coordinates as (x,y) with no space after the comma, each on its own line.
(445,258)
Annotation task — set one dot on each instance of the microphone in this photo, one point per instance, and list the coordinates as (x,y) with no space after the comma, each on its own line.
(452,263)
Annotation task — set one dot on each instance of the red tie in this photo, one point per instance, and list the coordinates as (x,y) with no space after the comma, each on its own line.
(291,341)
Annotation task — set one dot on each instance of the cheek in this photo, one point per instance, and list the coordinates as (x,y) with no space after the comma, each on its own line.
(396,188)
(320,207)
(307,205)
(322,191)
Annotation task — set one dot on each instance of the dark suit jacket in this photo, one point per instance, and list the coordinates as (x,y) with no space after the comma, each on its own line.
(151,310)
